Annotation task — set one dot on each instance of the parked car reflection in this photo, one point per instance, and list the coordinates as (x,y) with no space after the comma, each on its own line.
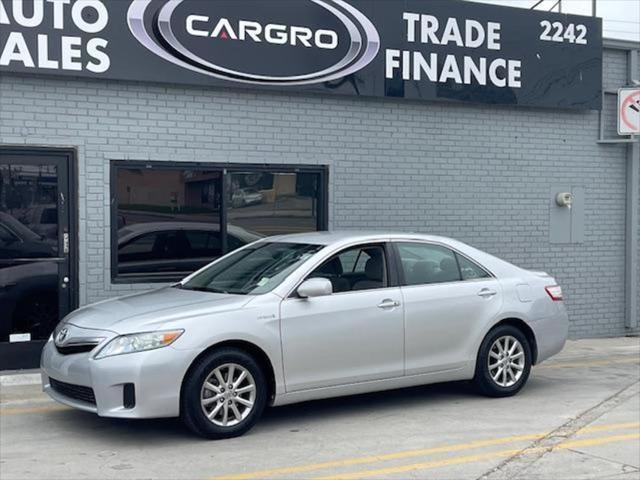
(28,282)
(42,219)
(174,248)
(19,241)
(243,197)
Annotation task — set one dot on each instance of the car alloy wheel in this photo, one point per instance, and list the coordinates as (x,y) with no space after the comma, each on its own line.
(224,393)
(228,395)
(506,361)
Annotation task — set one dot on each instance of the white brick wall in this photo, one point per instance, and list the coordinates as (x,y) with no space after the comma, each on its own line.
(478,173)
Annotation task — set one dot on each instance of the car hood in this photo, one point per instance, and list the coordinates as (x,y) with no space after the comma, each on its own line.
(151,310)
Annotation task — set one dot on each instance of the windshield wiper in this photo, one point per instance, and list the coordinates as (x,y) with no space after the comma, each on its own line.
(202,289)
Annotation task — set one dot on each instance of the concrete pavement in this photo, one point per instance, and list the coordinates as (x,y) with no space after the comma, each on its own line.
(578,418)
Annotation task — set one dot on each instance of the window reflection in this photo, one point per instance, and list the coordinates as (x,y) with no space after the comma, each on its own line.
(28,194)
(168,220)
(274,203)
(28,240)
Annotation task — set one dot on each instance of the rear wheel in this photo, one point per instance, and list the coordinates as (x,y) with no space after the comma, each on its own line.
(504,362)
(224,394)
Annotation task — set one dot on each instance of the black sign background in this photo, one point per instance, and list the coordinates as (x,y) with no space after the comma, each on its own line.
(553,73)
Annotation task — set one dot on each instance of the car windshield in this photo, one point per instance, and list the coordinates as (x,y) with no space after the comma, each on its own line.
(253,270)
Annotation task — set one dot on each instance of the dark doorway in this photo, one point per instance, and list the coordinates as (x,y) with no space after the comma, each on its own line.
(38,281)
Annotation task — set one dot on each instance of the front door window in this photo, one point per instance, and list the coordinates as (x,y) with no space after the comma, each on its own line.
(357,268)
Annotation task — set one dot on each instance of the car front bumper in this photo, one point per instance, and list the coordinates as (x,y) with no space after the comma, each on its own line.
(98,386)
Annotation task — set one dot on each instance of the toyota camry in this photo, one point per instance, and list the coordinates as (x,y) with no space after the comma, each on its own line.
(300,317)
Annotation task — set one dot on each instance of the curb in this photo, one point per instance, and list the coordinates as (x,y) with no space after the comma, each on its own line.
(15,380)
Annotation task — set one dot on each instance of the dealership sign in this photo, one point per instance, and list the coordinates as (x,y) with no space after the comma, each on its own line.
(417,49)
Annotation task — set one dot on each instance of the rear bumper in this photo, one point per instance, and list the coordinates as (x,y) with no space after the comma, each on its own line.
(551,333)
(156,377)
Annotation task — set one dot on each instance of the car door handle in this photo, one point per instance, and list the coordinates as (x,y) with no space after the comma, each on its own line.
(487,293)
(388,303)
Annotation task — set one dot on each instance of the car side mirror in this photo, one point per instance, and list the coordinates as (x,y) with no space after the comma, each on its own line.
(315,287)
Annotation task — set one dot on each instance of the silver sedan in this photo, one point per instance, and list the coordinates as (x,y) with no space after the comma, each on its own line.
(300,317)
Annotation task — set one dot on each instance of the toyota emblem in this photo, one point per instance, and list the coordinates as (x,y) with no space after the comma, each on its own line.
(62,334)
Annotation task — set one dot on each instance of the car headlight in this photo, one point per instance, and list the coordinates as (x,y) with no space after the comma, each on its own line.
(138,342)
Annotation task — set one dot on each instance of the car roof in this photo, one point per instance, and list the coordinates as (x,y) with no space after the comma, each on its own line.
(339,239)
(348,236)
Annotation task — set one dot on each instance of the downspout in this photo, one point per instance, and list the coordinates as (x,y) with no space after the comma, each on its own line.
(632,270)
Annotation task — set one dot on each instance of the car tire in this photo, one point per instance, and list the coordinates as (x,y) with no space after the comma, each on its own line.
(492,380)
(198,400)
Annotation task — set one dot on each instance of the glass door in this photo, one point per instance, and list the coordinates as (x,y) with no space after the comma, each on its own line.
(35,248)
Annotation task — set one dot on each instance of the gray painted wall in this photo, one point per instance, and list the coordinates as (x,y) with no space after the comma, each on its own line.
(478,173)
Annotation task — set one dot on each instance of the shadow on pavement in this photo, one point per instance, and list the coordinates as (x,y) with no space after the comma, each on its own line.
(157,432)
(382,402)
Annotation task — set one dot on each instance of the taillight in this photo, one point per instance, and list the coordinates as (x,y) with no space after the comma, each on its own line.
(555,292)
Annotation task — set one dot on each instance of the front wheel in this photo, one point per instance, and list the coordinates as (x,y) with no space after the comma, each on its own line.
(504,362)
(224,394)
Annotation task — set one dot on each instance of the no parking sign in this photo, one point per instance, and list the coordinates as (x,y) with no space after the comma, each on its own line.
(629,111)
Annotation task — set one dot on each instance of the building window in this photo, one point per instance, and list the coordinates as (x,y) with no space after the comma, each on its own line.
(272,203)
(170,219)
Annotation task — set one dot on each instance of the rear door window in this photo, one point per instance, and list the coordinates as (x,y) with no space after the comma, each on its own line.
(470,270)
(140,248)
(424,263)
(204,243)
(155,246)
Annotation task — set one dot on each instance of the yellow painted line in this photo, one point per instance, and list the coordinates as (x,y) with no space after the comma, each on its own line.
(378,458)
(596,363)
(424,465)
(25,411)
(588,442)
(410,453)
(478,458)
(606,428)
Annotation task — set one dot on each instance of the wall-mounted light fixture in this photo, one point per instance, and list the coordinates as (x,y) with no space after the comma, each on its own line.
(564,199)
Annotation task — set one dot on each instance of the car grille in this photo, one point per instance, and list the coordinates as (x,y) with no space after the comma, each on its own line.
(77,348)
(77,392)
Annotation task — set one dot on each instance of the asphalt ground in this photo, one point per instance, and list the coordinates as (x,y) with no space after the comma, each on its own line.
(578,418)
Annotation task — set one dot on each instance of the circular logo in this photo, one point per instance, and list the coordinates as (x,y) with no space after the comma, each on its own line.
(256,41)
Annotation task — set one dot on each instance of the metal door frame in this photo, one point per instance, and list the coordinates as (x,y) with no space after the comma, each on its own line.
(26,355)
